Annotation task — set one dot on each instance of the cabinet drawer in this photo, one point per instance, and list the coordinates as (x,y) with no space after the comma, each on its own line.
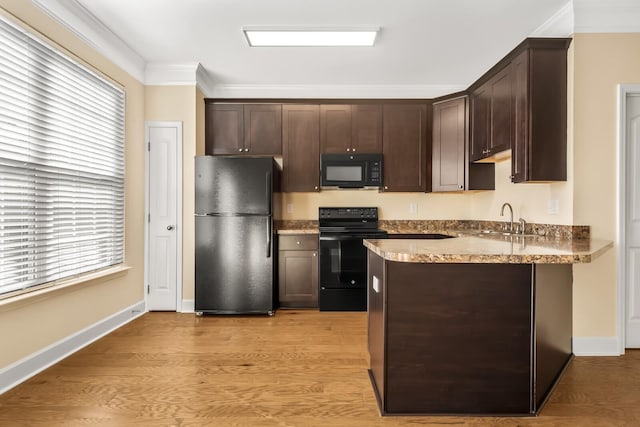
(299,242)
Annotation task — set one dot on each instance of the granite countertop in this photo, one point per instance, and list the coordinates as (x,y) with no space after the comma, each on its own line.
(498,249)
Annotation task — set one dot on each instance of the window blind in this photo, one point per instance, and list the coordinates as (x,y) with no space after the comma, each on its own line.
(61,165)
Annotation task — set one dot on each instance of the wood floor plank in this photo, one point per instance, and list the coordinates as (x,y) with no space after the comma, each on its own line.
(295,369)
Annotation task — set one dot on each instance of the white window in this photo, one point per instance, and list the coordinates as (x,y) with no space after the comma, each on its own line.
(61,165)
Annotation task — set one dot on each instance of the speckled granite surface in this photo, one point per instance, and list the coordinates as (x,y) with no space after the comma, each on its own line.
(490,249)
(438,226)
(298,226)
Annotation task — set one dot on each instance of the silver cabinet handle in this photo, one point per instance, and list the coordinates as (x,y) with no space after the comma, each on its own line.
(240,150)
(353,149)
(246,149)
(169,227)
(315,254)
(348,149)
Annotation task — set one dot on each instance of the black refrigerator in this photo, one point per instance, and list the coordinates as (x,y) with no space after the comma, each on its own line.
(234,240)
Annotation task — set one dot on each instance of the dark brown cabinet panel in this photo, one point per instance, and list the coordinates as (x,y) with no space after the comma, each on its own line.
(224,129)
(449,142)
(501,123)
(480,116)
(366,125)
(491,116)
(451,168)
(263,129)
(235,129)
(407,159)
(467,338)
(539,150)
(298,271)
(300,147)
(350,128)
(335,128)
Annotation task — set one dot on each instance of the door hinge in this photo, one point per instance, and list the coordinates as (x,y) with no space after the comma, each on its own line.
(148,289)
(148,217)
(149,146)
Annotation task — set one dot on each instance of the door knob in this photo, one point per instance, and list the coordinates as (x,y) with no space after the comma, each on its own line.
(169,227)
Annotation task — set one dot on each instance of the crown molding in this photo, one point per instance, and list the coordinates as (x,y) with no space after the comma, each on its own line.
(607,16)
(560,24)
(332,91)
(77,19)
(170,74)
(204,80)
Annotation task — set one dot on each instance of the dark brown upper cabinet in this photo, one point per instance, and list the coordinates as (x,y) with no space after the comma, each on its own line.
(450,165)
(449,143)
(521,104)
(301,148)
(492,116)
(251,129)
(539,150)
(407,156)
(350,128)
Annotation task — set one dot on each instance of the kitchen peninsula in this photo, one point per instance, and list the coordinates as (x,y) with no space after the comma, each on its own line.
(479,324)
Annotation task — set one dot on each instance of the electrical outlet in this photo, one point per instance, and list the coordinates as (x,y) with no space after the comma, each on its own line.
(289,208)
(554,207)
(413,208)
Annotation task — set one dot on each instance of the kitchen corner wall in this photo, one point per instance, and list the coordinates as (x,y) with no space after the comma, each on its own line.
(31,326)
(601,62)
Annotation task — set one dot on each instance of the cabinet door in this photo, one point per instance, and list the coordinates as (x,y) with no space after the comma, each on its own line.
(449,136)
(519,155)
(335,128)
(501,129)
(480,110)
(224,129)
(300,148)
(366,125)
(263,129)
(298,286)
(404,146)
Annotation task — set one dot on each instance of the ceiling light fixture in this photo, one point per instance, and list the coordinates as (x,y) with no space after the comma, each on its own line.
(309,36)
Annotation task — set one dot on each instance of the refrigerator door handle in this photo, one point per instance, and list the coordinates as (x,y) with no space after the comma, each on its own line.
(267,193)
(269,237)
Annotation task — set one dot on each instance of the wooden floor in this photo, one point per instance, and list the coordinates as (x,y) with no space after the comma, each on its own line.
(298,368)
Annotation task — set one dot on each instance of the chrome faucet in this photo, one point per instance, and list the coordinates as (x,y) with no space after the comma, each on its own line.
(523,224)
(511,217)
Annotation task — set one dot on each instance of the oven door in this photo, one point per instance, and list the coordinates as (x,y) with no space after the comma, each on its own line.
(343,260)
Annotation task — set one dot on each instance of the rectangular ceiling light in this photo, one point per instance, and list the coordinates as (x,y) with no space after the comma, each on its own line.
(298,36)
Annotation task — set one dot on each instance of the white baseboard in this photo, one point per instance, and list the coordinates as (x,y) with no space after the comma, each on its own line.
(188,306)
(29,366)
(596,346)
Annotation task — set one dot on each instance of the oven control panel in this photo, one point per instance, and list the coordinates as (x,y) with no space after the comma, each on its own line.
(348,213)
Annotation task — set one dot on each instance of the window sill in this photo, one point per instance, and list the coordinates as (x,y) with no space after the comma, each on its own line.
(29,296)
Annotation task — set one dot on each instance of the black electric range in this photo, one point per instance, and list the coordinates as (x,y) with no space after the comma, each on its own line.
(343,258)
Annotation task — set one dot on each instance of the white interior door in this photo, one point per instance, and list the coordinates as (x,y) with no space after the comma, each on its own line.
(163,184)
(632,226)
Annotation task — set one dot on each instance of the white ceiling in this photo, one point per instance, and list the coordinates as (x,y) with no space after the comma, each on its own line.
(426,47)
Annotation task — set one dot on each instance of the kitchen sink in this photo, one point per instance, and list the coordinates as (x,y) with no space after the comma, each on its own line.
(501,233)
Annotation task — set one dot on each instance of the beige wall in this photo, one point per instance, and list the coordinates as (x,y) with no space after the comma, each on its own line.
(602,61)
(181,103)
(32,325)
(391,205)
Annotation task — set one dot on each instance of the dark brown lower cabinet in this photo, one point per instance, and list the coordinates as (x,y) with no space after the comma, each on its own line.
(467,338)
(298,271)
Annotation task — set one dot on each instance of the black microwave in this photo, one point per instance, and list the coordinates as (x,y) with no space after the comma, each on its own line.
(351,170)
